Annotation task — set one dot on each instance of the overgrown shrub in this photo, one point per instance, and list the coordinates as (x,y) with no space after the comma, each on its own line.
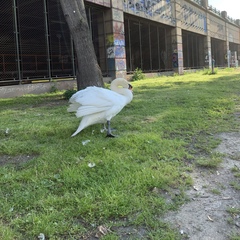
(137,75)
(68,93)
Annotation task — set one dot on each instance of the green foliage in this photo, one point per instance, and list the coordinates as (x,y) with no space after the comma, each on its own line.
(231,220)
(53,88)
(236,171)
(235,236)
(216,191)
(48,186)
(235,185)
(213,161)
(137,75)
(233,210)
(68,93)
(209,71)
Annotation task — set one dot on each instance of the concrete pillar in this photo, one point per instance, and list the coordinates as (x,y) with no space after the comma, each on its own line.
(205,3)
(224,14)
(177,46)
(238,50)
(227,53)
(208,52)
(207,45)
(115,40)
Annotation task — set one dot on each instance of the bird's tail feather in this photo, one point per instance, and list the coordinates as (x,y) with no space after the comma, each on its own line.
(83,124)
(77,131)
(73,107)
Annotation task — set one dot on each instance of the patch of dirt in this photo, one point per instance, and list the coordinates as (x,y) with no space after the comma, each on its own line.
(213,210)
(15,160)
(52,103)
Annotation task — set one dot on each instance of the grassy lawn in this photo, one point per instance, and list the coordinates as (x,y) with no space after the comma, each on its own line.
(65,188)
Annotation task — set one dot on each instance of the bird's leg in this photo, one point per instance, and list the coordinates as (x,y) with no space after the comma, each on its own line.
(109,132)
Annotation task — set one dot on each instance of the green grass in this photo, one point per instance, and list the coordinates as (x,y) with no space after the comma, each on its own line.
(211,161)
(163,132)
(231,220)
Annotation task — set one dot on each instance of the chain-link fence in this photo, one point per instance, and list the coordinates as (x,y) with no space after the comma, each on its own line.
(8,64)
(35,42)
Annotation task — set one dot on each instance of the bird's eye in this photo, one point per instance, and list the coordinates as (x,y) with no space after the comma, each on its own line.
(130,86)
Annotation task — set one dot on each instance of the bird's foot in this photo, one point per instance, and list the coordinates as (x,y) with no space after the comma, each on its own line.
(109,130)
(105,129)
(110,135)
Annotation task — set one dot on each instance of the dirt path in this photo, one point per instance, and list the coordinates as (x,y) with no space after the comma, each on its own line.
(213,210)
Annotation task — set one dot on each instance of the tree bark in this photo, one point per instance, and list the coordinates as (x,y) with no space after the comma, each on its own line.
(88,72)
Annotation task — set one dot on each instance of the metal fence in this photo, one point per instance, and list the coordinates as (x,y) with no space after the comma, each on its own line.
(35,42)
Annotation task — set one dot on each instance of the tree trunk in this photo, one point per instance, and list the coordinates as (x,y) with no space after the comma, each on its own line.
(88,71)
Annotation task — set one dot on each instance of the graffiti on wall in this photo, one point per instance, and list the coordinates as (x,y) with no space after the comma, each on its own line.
(120,64)
(233,32)
(193,17)
(119,38)
(119,52)
(151,8)
(110,52)
(116,52)
(117,15)
(220,31)
(116,42)
(217,28)
(175,60)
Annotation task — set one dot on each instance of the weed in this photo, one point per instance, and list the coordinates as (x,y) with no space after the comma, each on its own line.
(237,175)
(137,75)
(212,161)
(235,185)
(68,93)
(235,236)
(230,220)
(233,210)
(216,191)
(236,171)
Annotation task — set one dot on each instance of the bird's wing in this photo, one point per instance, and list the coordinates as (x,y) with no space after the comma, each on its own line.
(94,100)
(95,96)
(89,110)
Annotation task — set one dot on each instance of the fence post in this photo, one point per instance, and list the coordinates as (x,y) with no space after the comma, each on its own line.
(17,40)
(213,64)
(73,58)
(47,40)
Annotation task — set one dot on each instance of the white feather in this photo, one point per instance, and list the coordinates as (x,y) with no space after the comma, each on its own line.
(98,105)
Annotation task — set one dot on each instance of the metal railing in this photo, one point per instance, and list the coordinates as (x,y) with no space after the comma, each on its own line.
(214,10)
(199,2)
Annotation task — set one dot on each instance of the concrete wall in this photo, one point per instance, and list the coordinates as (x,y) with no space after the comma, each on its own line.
(217,28)
(39,87)
(193,18)
(105,3)
(35,88)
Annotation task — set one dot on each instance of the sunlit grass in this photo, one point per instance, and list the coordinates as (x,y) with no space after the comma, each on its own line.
(166,130)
